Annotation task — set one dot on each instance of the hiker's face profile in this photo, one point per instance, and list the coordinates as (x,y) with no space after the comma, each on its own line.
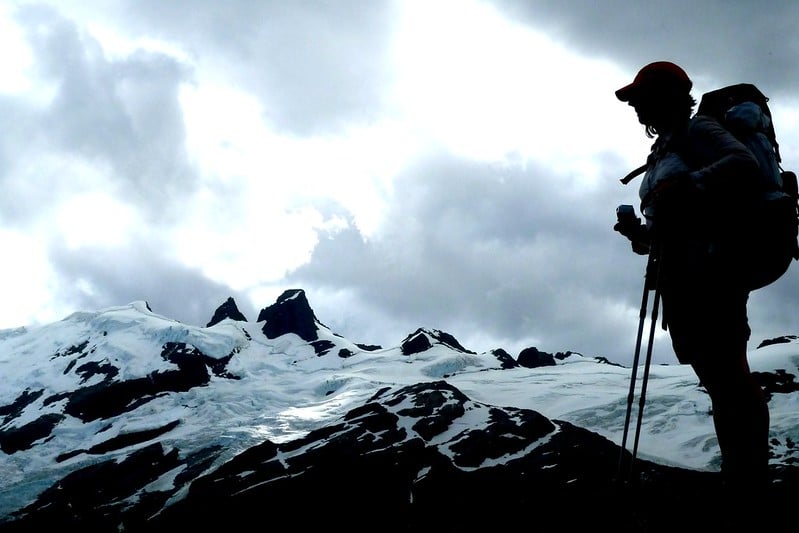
(646,107)
(659,107)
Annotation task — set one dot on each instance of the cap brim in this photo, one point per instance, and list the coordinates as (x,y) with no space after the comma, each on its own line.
(625,93)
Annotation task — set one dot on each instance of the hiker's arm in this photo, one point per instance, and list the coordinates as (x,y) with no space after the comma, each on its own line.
(718,157)
(637,234)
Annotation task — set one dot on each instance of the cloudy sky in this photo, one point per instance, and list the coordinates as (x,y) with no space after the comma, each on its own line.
(443,164)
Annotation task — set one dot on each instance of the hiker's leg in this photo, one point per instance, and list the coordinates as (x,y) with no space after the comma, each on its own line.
(709,329)
(740,416)
(741,420)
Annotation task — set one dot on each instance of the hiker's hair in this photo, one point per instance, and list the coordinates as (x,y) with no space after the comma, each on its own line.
(682,104)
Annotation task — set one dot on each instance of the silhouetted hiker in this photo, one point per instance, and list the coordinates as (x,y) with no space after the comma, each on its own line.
(694,184)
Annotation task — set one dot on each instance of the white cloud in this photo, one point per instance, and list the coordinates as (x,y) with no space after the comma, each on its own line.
(17,57)
(94,219)
(26,282)
(487,87)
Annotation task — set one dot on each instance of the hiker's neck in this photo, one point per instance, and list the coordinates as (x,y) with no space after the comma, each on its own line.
(668,125)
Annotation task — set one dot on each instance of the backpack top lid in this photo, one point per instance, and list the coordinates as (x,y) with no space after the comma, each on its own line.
(716,103)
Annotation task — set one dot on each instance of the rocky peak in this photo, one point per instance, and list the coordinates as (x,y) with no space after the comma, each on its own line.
(291,313)
(423,339)
(226,310)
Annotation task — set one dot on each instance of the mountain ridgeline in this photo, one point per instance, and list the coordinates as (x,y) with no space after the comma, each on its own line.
(124,420)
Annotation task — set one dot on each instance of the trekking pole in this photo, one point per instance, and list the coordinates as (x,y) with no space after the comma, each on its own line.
(634,372)
(652,268)
(647,364)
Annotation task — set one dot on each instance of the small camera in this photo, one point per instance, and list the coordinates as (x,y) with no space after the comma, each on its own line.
(629,225)
(625,214)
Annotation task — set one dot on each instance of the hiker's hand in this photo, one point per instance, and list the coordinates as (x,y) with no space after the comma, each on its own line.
(627,223)
(636,233)
(640,248)
(630,229)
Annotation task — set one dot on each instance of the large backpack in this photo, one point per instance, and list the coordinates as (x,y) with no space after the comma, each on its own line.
(770,242)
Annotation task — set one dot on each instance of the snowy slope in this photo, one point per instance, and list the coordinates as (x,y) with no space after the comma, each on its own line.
(100,386)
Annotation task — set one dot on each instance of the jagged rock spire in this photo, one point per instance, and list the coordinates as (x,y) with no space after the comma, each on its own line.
(291,313)
(226,310)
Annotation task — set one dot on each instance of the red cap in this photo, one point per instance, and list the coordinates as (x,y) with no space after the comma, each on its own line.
(658,76)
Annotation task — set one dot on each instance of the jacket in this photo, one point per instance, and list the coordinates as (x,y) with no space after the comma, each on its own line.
(692,198)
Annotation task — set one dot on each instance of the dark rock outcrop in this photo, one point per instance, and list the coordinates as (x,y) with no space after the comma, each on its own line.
(15,408)
(119,442)
(534,358)
(291,313)
(369,347)
(19,438)
(423,339)
(778,340)
(111,398)
(505,358)
(416,342)
(230,310)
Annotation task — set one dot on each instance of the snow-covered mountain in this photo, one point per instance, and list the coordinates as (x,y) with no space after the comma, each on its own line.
(123,419)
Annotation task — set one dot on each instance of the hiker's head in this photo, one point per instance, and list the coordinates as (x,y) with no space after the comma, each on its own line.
(661,95)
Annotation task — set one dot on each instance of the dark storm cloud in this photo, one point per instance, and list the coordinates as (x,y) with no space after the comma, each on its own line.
(95,278)
(317,66)
(123,114)
(727,40)
(510,251)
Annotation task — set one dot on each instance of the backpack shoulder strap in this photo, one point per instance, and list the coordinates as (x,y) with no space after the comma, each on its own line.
(672,143)
(633,174)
